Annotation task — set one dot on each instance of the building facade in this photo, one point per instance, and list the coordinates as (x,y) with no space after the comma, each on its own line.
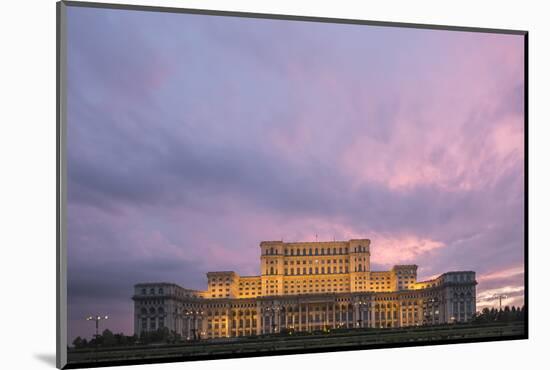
(306,286)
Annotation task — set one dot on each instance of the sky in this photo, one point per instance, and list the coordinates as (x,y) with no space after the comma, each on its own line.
(192,138)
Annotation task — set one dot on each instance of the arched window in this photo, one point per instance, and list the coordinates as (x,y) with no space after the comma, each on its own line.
(292,252)
(304,251)
(161,311)
(144,311)
(322,251)
(316,251)
(271,270)
(152,311)
(310,251)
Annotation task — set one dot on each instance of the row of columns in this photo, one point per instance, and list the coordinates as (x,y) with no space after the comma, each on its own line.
(306,316)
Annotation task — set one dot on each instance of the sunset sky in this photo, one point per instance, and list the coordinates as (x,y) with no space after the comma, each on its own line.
(192,138)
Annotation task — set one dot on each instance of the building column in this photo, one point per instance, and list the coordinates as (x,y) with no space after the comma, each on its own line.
(399,314)
(327,320)
(278,319)
(203,327)
(299,316)
(229,322)
(262,322)
(373,314)
(333,314)
(355,314)
(237,322)
(307,317)
(258,321)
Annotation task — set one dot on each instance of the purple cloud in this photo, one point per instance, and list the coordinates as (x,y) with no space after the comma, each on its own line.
(192,138)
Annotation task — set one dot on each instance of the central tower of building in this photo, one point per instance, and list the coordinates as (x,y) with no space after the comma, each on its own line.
(314,267)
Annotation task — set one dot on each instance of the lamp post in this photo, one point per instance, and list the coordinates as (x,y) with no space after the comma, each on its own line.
(499,297)
(431,314)
(360,304)
(193,315)
(272,310)
(97,319)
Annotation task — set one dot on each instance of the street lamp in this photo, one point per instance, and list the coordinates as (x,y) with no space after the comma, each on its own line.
(194,314)
(97,319)
(272,310)
(360,319)
(500,297)
(431,316)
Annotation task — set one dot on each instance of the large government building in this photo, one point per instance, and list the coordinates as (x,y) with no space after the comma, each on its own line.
(306,286)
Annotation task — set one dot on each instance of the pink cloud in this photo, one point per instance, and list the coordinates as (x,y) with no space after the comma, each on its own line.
(502,274)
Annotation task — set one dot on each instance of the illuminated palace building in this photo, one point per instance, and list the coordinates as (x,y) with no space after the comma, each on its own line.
(306,286)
